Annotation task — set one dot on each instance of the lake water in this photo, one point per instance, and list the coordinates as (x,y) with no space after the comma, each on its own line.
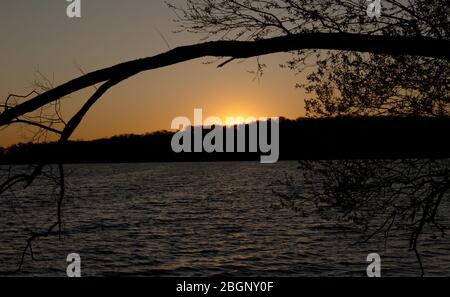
(192,219)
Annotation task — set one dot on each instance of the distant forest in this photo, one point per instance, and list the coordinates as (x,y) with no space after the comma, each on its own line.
(301,139)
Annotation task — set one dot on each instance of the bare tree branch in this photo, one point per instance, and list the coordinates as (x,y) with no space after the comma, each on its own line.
(391,45)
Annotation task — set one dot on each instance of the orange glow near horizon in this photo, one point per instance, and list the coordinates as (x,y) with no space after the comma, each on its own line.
(144,103)
(235,120)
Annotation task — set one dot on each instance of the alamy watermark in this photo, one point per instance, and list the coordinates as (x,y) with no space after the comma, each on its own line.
(374,268)
(74,9)
(74,267)
(233,139)
(374,8)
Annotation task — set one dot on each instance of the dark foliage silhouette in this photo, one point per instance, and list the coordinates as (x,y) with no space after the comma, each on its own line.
(301,139)
(343,83)
(394,65)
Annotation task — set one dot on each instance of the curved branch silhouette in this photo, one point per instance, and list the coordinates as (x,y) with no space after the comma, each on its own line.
(378,44)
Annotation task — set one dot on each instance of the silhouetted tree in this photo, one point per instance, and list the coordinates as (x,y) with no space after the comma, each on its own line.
(343,83)
(410,39)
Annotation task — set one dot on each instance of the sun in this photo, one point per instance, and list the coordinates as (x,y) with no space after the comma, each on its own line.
(233,120)
(238,120)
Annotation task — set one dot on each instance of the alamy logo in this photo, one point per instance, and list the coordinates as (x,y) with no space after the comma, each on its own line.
(220,141)
(74,9)
(74,268)
(374,268)
(374,8)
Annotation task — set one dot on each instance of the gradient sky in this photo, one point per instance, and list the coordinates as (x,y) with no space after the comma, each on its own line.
(36,35)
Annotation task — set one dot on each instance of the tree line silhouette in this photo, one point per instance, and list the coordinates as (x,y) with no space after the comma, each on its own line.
(395,65)
(300,139)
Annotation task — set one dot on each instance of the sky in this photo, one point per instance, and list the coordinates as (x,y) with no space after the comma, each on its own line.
(38,37)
